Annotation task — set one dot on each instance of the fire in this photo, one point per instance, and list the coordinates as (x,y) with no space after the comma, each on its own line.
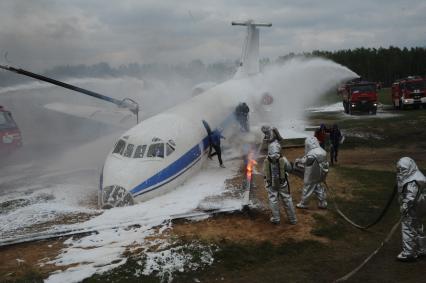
(251,162)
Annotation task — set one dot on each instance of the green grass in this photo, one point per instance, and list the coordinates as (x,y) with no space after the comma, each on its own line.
(406,128)
(331,228)
(370,195)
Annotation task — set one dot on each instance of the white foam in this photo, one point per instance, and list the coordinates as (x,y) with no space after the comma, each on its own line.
(95,253)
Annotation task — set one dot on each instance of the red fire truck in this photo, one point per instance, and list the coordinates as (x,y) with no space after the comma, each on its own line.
(359,96)
(10,135)
(410,91)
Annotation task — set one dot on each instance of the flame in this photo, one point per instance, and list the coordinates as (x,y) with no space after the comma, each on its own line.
(251,162)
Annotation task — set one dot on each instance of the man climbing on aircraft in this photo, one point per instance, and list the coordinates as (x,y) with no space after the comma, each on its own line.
(242,113)
(275,170)
(214,139)
(315,167)
(412,200)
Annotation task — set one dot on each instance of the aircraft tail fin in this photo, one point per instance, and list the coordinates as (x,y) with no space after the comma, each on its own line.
(249,63)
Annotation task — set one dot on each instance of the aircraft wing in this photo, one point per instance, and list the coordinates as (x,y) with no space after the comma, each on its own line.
(116,117)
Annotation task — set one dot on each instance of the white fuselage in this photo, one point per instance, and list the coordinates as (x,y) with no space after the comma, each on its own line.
(174,142)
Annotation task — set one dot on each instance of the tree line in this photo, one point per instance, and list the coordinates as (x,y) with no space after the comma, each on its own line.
(380,65)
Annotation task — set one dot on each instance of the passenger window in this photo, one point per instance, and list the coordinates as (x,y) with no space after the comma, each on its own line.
(119,147)
(140,151)
(156,150)
(169,149)
(129,150)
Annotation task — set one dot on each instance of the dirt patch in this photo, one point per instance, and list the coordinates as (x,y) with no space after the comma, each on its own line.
(26,260)
(249,228)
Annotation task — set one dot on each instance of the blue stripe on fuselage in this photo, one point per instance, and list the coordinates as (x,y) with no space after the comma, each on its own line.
(180,166)
(184,161)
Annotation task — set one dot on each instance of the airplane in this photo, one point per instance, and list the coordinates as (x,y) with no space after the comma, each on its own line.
(161,152)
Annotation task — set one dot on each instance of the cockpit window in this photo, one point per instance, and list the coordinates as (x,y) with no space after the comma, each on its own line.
(119,147)
(156,150)
(129,150)
(140,151)
(169,149)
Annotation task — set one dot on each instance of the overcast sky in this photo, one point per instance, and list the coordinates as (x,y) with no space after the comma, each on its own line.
(39,34)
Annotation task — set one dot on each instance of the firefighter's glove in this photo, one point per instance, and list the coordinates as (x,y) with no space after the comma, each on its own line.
(268,183)
(404,208)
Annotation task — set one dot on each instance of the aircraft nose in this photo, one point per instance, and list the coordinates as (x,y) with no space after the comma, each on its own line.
(115,196)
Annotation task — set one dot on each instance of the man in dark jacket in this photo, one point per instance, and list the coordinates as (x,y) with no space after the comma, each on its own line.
(214,138)
(242,113)
(335,140)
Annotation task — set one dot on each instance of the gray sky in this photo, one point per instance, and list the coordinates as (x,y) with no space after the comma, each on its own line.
(39,34)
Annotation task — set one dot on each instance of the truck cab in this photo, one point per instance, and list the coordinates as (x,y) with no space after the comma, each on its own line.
(10,135)
(359,96)
(409,92)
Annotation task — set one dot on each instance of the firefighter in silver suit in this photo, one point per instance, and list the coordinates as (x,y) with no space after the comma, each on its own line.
(275,168)
(412,200)
(313,162)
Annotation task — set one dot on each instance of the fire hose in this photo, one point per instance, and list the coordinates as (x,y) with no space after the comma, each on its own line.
(361,227)
(354,271)
(387,238)
(347,219)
